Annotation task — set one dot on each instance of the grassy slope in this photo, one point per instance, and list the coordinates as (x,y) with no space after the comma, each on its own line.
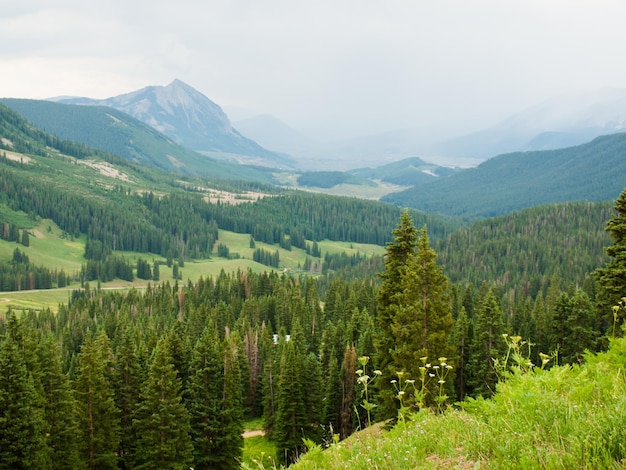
(49,247)
(565,417)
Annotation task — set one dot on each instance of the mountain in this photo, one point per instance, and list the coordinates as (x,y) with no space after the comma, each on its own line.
(116,132)
(411,171)
(560,122)
(190,119)
(595,171)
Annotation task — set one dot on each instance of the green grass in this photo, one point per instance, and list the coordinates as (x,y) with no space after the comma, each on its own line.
(565,417)
(50,247)
(258,451)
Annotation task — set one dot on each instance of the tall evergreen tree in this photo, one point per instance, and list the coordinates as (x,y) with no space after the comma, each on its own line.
(129,378)
(22,425)
(97,413)
(162,421)
(423,320)
(488,344)
(572,329)
(232,405)
(398,254)
(291,414)
(215,405)
(60,407)
(461,340)
(612,277)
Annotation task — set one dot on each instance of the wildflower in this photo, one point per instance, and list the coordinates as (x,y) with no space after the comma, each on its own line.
(359,372)
(443,359)
(410,381)
(378,372)
(431,375)
(441,382)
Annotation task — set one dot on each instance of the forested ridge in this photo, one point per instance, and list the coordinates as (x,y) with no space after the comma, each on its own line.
(593,171)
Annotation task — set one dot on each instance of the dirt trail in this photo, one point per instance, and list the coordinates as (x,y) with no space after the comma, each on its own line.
(253,433)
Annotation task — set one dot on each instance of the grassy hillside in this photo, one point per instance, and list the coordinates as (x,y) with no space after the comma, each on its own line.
(591,172)
(118,133)
(564,417)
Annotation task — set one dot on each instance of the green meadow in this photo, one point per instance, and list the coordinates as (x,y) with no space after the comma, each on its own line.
(51,247)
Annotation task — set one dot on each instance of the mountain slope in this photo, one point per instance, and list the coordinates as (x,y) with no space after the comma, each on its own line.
(595,171)
(116,132)
(187,117)
(408,172)
(556,123)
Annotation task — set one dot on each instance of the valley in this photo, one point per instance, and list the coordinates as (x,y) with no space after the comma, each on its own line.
(210,294)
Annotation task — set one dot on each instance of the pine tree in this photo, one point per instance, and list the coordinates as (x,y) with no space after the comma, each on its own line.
(97,413)
(572,326)
(291,414)
(488,344)
(612,277)
(232,406)
(128,379)
(423,319)
(22,425)
(397,256)
(60,409)
(461,339)
(208,408)
(162,421)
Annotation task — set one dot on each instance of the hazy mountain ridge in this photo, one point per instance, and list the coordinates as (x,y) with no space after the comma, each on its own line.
(563,121)
(187,117)
(560,122)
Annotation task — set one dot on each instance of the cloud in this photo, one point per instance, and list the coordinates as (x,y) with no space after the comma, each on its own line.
(347,66)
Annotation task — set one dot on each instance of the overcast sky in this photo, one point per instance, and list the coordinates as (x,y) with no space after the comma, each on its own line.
(344,66)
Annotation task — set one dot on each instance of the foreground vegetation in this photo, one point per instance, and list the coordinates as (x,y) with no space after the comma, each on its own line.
(562,417)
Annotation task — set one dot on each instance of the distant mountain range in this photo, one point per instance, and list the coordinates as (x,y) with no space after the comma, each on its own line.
(595,171)
(561,122)
(190,119)
(557,123)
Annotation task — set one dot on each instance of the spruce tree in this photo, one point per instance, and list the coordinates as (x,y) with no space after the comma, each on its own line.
(98,416)
(488,344)
(291,414)
(214,402)
(162,421)
(461,339)
(572,330)
(128,380)
(60,407)
(398,253)
(22,425)
(232,406)
(423,320)
(612,277)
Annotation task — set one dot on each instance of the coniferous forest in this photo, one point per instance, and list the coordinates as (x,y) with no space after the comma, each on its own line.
(165,378)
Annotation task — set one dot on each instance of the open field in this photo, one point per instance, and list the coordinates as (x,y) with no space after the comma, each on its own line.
(51,247)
